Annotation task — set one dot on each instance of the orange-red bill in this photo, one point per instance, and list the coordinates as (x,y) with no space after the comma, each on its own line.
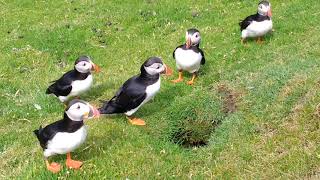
(269,13)
(168,71)
(188,43)
(96,68)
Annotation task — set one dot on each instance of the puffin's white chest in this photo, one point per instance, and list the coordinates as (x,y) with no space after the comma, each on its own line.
(257,29)
(81,86)
(188,60)
(64,142)
(151,91)
(78,87)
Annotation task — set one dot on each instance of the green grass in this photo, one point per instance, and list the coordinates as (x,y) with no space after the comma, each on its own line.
(271,130)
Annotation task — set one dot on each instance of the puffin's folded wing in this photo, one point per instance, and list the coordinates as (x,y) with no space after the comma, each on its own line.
(246,22)
(62,86)
(203,60)
(47,133)
(131,97)
(173,54)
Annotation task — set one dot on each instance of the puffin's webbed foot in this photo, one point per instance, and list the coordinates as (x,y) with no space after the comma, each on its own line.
(259,40)
(194,75)
(136,121)
(180,78)
(53,167)
(72,163)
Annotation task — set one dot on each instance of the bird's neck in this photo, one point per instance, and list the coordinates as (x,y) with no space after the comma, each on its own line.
(70,124)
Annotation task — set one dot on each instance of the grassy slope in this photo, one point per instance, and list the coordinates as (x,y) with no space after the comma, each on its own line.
(273,133)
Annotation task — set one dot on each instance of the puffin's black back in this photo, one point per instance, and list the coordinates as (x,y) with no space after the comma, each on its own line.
(132,92)
(256,17)
(62,86)
(64,125)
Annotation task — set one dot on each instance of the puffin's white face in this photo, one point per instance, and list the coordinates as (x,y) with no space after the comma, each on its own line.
(155,68)
(264,9)
(192,39)
(78,111)
(84,66)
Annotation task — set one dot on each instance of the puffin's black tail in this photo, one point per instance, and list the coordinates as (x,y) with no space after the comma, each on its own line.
(37,132)
(50,89)
(109,107)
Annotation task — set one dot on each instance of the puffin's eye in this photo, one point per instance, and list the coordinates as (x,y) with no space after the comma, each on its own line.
(197,36)
(84,64)
(78,107)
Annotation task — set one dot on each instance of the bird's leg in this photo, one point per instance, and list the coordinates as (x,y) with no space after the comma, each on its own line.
(259,40)
(136,121)
(243,41)
(180,78)
(72,163)
(53,167)
(194,75)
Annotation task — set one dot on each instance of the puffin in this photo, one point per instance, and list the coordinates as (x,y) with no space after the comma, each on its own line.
(189,57)
(74,82)
(65,135)
(136,91)
(257,25)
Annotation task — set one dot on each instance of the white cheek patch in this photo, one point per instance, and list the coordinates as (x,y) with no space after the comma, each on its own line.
(83,69)
(150,70)
(75,113)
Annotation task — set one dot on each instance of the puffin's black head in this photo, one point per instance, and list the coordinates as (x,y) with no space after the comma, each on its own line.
(264,8)
(193,37)
(84,65)
(153,66)
(78,110)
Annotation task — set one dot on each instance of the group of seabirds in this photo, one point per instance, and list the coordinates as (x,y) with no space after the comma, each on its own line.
(65,135)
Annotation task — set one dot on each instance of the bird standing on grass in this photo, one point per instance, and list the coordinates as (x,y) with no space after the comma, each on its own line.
(75,82)
(257,25)
(66,135)
(189,56)
(136,91)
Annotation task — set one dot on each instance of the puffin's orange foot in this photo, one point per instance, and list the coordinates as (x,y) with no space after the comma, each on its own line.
(73,164)
(177,80)
(54,167)
(137,121)
(259,40)
(190,82)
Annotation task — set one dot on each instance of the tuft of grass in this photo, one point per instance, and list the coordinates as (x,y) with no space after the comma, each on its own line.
(195,119)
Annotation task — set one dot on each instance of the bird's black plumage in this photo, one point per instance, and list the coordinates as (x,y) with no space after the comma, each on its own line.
(132,92)
(62,86)
(248,20)
(64,125)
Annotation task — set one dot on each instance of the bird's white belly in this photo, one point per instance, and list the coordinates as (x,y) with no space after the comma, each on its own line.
(78,87)
(257,29)
(188,60)
(151,91)
(64,142)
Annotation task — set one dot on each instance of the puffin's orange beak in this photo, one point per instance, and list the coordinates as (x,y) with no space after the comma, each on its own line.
(188,43)
(269,13)
(95,68)
(167,70)
(96,113)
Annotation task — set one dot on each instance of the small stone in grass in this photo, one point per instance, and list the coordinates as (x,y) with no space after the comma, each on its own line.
(37,106)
